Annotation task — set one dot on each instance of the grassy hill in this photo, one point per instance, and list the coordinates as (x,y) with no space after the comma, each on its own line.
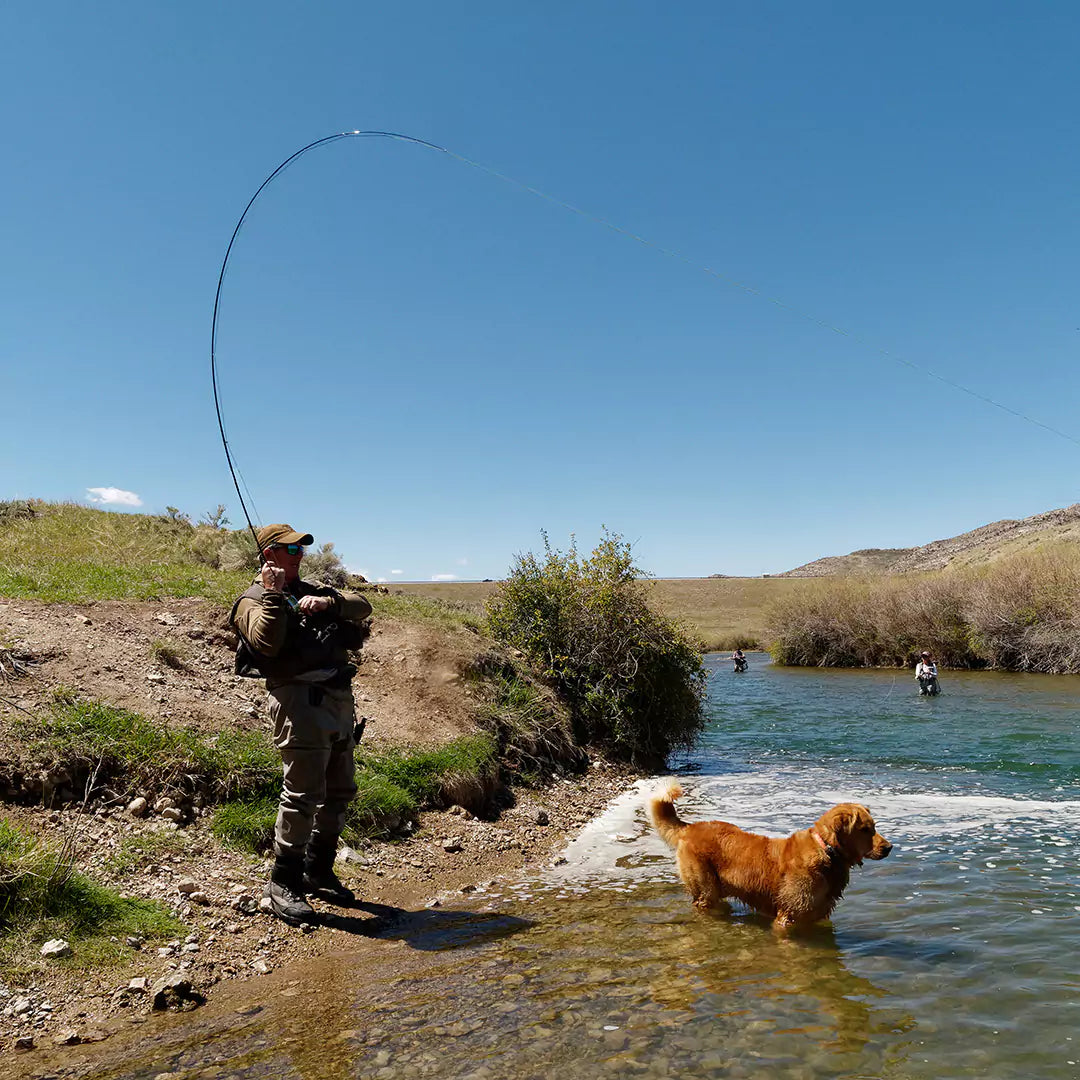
(64,552)
(979,546)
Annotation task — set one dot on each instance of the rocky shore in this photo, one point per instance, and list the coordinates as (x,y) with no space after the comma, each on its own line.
(172,661)
(215,892)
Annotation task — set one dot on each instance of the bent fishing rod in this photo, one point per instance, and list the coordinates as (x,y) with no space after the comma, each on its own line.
(225,265)
(669,252)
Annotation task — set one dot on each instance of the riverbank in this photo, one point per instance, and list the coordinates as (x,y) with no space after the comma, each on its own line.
(214,892)
(145,832)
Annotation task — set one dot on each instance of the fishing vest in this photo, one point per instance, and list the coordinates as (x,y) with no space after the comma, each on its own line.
(313,641)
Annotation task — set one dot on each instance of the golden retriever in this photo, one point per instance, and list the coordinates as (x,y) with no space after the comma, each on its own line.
(796,879)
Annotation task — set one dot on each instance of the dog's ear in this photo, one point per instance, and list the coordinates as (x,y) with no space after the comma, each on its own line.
(831,825)
(838,823)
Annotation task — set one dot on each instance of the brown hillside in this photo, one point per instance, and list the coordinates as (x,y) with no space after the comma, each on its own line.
(979,545)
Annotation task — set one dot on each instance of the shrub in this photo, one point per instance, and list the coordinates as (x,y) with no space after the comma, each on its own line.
(1016,613)
(325,566)
(632,678)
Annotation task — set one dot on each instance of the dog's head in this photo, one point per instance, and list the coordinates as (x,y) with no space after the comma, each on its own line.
(850,829)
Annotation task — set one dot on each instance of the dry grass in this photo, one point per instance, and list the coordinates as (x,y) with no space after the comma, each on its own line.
(1018,612)
(723,612)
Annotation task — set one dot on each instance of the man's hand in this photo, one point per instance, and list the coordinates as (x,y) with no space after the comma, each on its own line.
(312,604)
(272,577)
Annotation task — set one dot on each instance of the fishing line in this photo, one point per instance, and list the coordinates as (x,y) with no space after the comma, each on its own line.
(605,223)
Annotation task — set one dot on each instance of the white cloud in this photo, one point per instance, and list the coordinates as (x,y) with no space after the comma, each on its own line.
(444,577)
(380,581)
(110,496)
(463,561)
(397,571)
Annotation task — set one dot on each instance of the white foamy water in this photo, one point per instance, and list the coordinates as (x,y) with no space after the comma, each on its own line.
(621,845)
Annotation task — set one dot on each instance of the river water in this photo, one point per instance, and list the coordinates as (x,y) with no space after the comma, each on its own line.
(955,957)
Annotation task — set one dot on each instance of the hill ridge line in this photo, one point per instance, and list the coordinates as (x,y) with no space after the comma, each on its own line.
(977,545)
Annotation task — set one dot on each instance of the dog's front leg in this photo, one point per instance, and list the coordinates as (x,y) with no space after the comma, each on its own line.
(783,924)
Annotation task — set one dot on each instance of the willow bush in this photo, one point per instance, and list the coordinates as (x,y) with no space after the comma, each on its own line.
(632,678)
(1020,612)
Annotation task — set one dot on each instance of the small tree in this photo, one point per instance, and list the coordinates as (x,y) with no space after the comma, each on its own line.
(216,519)
(633,679)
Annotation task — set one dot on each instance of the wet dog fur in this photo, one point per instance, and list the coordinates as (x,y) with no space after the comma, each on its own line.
(796,880)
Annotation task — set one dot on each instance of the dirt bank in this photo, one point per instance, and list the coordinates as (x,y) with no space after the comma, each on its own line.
(172,660)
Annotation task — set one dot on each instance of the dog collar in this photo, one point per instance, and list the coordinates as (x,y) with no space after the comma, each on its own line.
(827,848)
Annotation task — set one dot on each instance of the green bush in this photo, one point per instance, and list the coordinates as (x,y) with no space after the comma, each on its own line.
(633,679)
(325,566)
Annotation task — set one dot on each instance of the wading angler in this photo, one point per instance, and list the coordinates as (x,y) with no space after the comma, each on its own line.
(296,635)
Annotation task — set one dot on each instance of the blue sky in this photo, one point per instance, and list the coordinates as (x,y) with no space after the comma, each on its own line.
(428,366)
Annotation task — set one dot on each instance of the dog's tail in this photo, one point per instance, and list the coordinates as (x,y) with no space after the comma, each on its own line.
(662,812)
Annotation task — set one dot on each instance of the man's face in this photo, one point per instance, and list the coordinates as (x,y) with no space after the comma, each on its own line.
(285,556)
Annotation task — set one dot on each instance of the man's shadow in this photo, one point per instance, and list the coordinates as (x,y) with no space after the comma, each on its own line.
(430,929)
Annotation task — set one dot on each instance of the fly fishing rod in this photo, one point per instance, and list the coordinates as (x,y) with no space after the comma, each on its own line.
(669,252)
(225,265)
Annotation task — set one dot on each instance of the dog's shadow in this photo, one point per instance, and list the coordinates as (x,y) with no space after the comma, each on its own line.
(428,930)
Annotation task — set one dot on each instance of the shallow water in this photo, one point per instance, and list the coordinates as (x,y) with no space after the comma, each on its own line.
(955,957)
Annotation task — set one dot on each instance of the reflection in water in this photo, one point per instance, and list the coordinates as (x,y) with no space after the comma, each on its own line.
(682,994)
(621,981)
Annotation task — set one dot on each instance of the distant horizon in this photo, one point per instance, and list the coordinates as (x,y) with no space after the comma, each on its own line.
(449,579)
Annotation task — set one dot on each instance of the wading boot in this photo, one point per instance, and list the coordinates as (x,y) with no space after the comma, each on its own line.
(285,891)
(321,881)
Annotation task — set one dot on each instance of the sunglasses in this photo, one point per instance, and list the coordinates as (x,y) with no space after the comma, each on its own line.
(289,549)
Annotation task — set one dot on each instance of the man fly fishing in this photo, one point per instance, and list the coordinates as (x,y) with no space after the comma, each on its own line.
(296,635)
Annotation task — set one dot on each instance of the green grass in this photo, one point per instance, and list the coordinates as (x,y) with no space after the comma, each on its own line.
(170,654)
(379,809)
(42,897)
(242,769)
(446,615)
(67,553)
(72,581)
(425,774)
(391,788)
(135,852)
(136,752)
(533,730)
(246,823)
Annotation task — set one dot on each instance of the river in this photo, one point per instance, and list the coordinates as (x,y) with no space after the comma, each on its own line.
(955,957)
